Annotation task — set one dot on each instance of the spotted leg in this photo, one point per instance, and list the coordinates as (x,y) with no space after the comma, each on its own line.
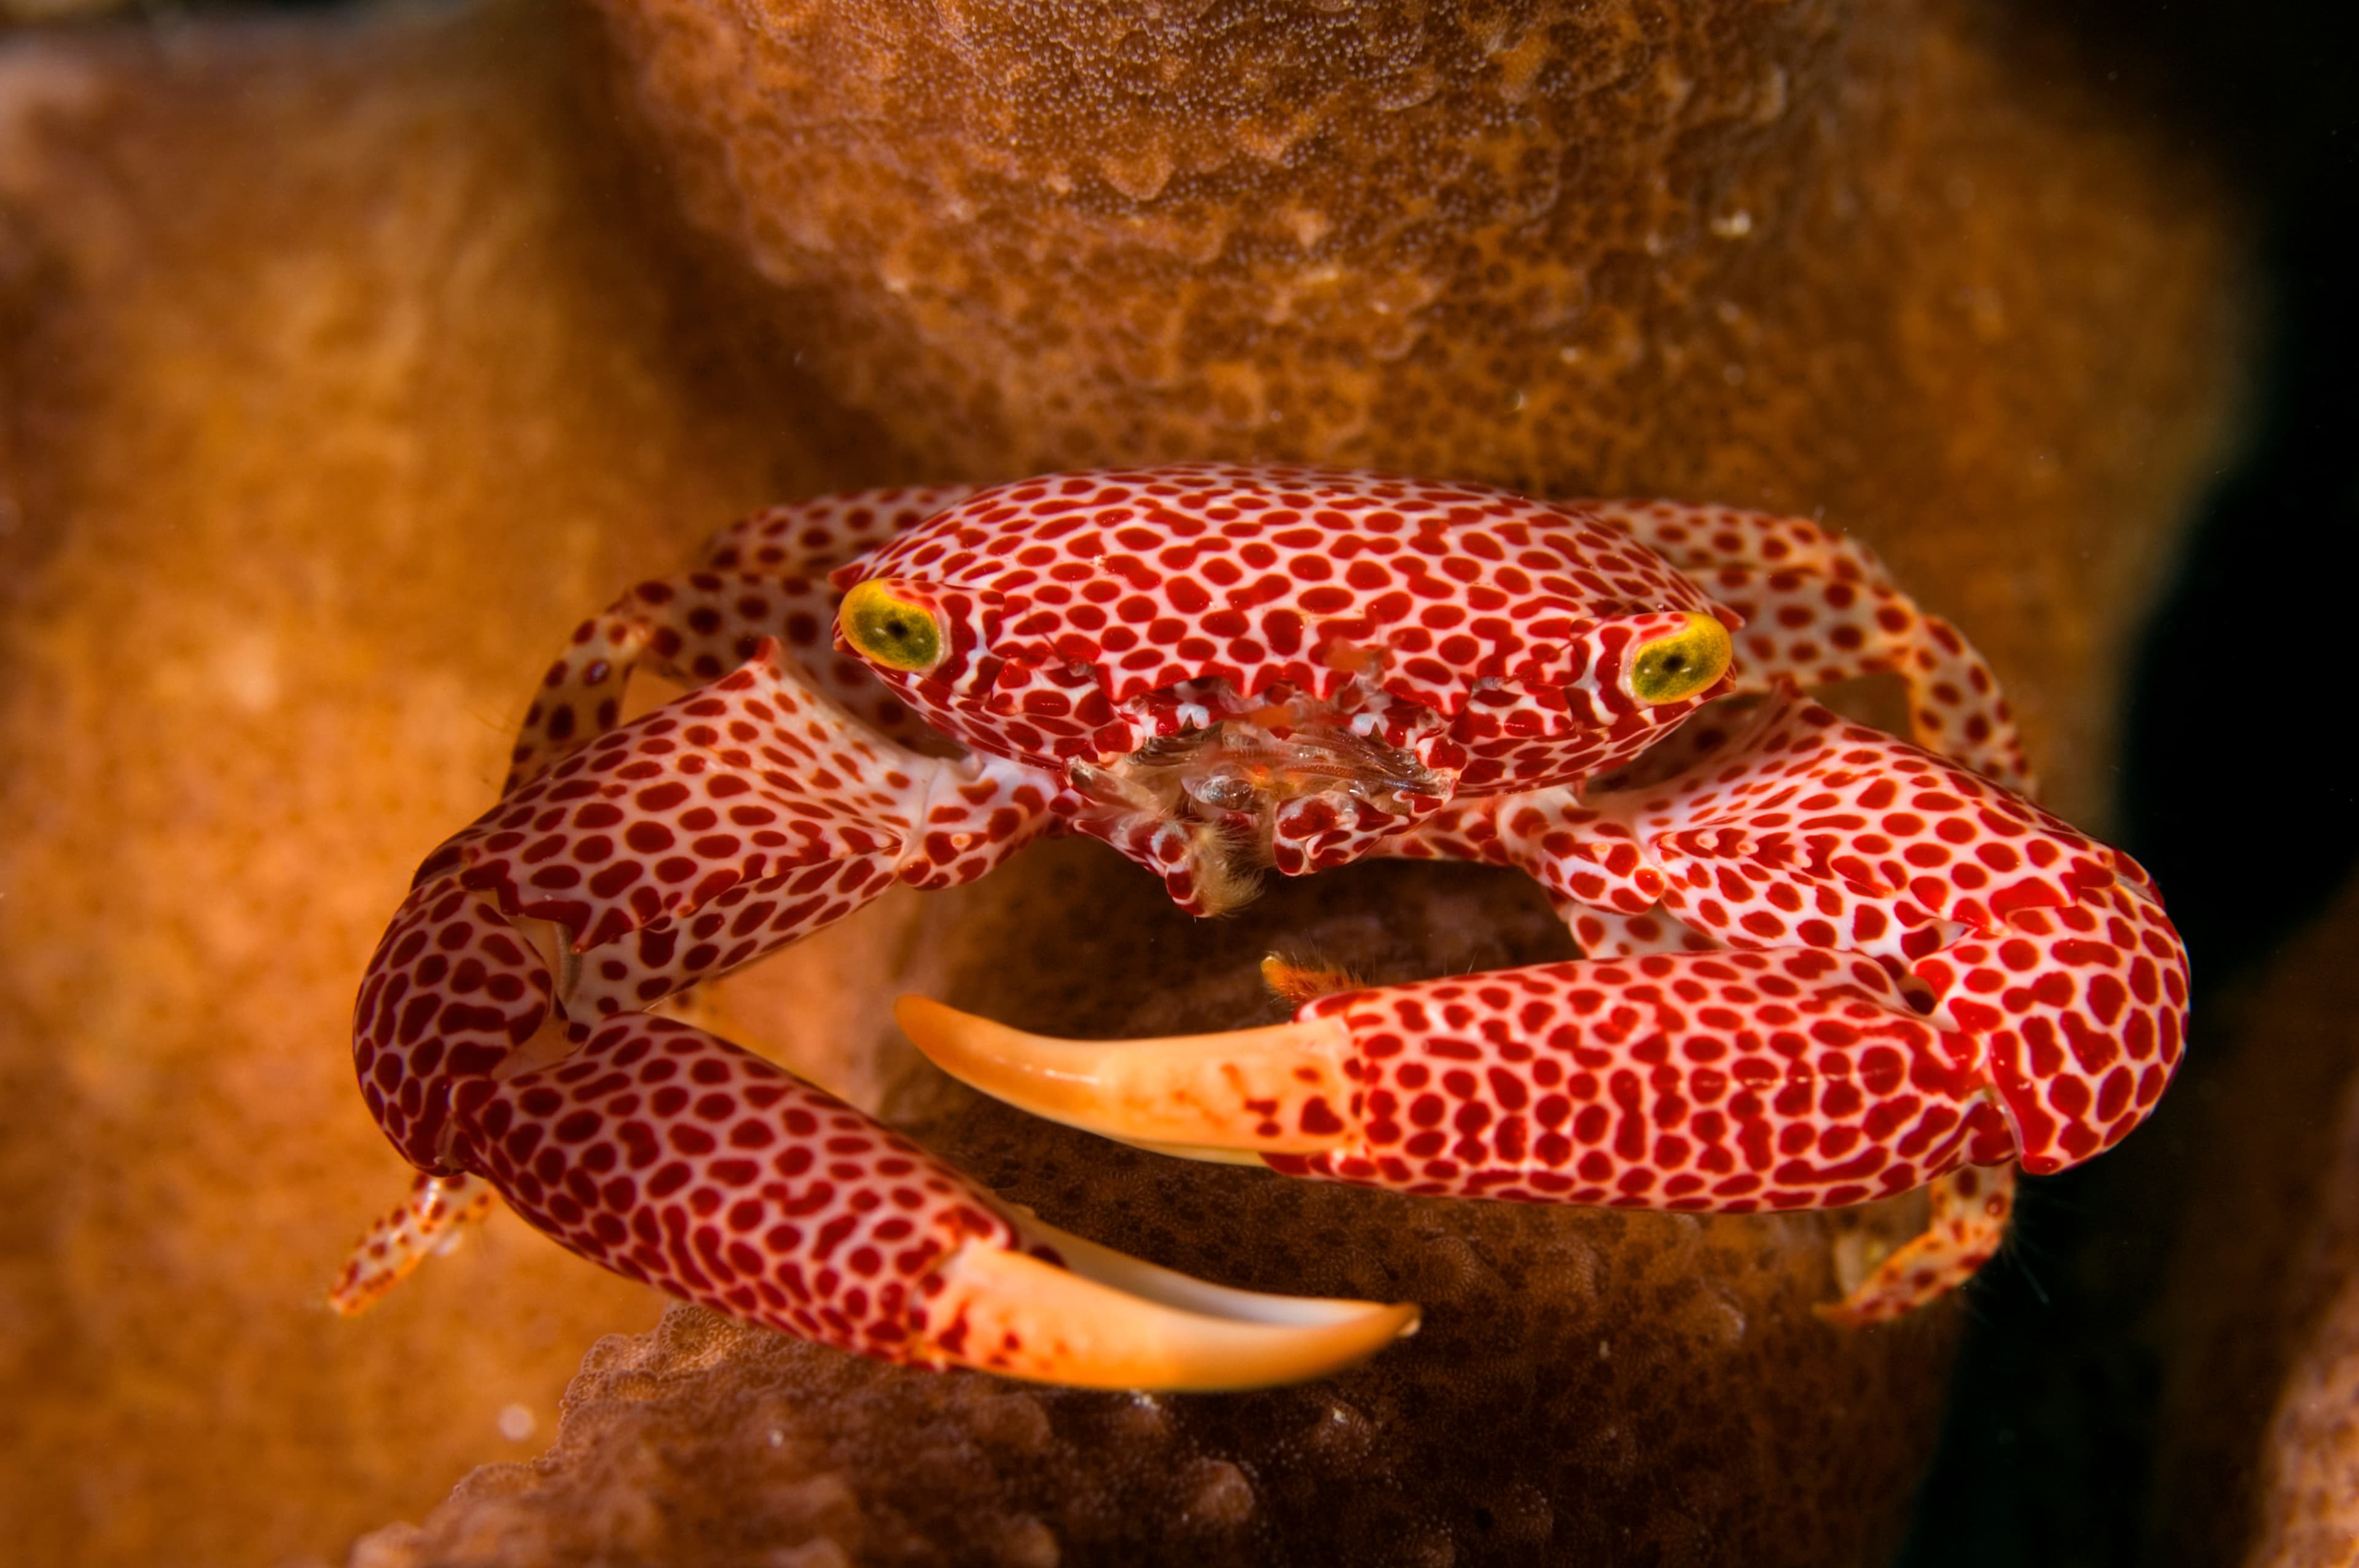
(430,1219)
(1918,973)
(763,576)
(1970,1208)
(1819,608)
(501,1035)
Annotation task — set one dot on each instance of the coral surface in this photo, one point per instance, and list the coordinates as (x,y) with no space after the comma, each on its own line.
(336,385)
(1894,262)
(2260,1416)
(345,362)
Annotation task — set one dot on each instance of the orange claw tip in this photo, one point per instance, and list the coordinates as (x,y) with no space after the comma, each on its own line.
(1276,1090)
(1110,1320)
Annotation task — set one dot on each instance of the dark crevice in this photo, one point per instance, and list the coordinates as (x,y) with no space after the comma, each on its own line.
(2229,793)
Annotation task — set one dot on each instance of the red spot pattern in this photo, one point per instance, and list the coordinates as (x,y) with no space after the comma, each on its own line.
(1729,1081)
(676,1158)
(765,576)
(667,851)
(2082,1011)
(659,1149)
(1828,965)
(725,824)
(1818,608)
(1484,631)
(2044,955)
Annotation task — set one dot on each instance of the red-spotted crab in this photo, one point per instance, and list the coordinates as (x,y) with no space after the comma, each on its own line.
(1823,965)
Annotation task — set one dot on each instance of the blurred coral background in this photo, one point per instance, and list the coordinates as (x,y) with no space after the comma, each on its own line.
(349,355)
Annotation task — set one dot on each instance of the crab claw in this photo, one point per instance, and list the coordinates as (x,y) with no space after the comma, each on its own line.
(1281,1089)
(669,1154)
(1106,1320)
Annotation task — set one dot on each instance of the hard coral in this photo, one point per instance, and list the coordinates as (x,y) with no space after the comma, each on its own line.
(1878,260)
(335,379)
(346,369)
(2259,1451)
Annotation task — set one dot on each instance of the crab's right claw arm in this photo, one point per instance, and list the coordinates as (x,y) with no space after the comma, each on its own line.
(673,1156)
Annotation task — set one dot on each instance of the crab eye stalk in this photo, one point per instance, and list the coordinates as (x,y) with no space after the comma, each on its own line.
(1672,668)
(886,629)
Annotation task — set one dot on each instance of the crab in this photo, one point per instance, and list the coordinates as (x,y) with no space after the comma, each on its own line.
(1822,964)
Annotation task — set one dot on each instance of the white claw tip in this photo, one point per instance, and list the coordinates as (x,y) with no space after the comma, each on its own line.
(1112,1322)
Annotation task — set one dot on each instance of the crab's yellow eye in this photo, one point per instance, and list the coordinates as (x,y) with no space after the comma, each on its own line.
(890,630)
(1681,664)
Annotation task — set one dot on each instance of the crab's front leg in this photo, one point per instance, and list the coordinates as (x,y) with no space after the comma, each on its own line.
(764,575)
(501,1039)
(1819,608)
(1918,973)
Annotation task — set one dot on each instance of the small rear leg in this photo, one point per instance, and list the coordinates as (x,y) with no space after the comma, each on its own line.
(1969,1210)
(431,1218)
(1821,609)
(811,538)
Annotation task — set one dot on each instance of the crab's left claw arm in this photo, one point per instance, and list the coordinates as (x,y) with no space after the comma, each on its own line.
(500,1040)
(672,1156)
(767,1199)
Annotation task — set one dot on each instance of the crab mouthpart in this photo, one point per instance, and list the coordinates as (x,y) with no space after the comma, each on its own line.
(1281,1089)
(1236,789)
(1254,765)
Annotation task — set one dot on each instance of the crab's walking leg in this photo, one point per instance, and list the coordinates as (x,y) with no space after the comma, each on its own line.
(1819,608)
(1969,1210)
(429,1219)
(766,575)
(500,1034)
